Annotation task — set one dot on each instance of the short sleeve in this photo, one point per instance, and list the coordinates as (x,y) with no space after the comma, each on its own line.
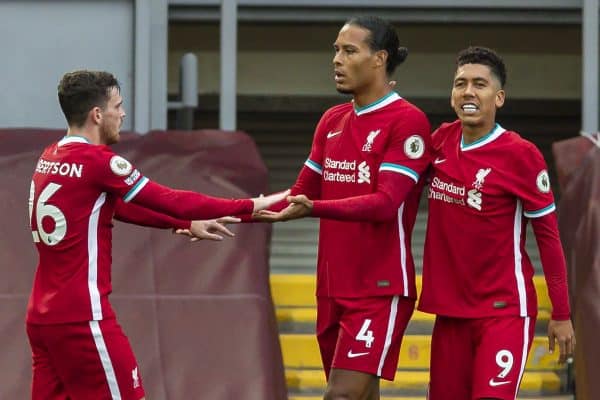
(409,150)
(115,174)
(532,182)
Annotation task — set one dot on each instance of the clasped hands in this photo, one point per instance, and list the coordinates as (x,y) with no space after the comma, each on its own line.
(215,229)
(300,206)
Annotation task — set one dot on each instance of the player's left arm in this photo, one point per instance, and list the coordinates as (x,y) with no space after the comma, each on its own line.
(538,205)
(407,157)
(211,229)
(132,213)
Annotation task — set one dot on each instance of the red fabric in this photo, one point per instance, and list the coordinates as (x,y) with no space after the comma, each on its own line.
(362,334)
(380,206)
(481,197)
(138,215)
(479,358)
(307,183)
(182,305)
(353,153)
(72,201)
(185,204)
(74,192)
(67,362)
(553,262)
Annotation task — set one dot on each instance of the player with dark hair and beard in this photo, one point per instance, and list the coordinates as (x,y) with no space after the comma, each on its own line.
(79,350)
(363,179)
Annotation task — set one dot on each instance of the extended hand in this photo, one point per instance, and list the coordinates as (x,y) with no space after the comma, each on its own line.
(561,331)
(209,229)
(262,202)
(300,207)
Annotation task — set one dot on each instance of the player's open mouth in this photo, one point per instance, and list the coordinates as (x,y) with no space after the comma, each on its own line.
(338,77)
(469,108)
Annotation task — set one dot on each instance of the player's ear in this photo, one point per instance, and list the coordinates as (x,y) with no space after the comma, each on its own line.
(500,96)
(381,57)
(96,115)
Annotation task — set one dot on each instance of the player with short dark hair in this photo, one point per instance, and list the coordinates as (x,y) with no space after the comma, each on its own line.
(486,184)
(362,178)
(79,350)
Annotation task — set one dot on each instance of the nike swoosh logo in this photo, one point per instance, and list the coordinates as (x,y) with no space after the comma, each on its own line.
(332,134)
(439,160)
(354,355)
(493,383)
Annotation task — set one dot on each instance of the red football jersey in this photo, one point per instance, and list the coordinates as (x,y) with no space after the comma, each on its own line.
(74,192)
(481,196)
(72,201)
(352,149)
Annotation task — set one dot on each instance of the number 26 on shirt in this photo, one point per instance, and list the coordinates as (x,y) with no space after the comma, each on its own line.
(43,210)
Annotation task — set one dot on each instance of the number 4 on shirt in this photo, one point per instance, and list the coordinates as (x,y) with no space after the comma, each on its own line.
(365,334)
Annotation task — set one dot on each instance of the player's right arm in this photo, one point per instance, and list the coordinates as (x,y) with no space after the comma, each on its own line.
(400,171)
(116,175)
(534,190)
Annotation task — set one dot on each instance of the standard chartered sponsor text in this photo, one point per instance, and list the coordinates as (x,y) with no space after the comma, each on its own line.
(336,176)
(445,197)
(447,187)
(445,192)
(343,165)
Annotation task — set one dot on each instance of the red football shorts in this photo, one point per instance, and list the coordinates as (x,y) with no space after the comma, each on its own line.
(479,358)
(85,360)
(362,334)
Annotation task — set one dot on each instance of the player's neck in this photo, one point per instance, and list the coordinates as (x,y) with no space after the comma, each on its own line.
(473,133)
(92,135)
(371,96)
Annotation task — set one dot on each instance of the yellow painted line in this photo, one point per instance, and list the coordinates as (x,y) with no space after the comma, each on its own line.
(302,351)
(547,382)
(293,289)
(299,290)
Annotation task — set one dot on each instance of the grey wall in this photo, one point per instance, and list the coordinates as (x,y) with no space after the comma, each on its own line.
(41,40)
(544,62)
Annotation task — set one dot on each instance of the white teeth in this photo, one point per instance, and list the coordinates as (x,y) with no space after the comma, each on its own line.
(469,108)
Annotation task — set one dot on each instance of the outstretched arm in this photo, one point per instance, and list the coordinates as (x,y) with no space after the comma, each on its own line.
(213,229)
(406,158)
(114,174)
(560,328)
(381,205)
(138,215)
(191,205)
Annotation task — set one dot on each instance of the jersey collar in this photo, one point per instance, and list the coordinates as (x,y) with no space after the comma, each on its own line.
(378,104)
(73,139)
(482,141)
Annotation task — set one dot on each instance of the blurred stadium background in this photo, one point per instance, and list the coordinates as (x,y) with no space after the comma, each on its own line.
(264,68)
